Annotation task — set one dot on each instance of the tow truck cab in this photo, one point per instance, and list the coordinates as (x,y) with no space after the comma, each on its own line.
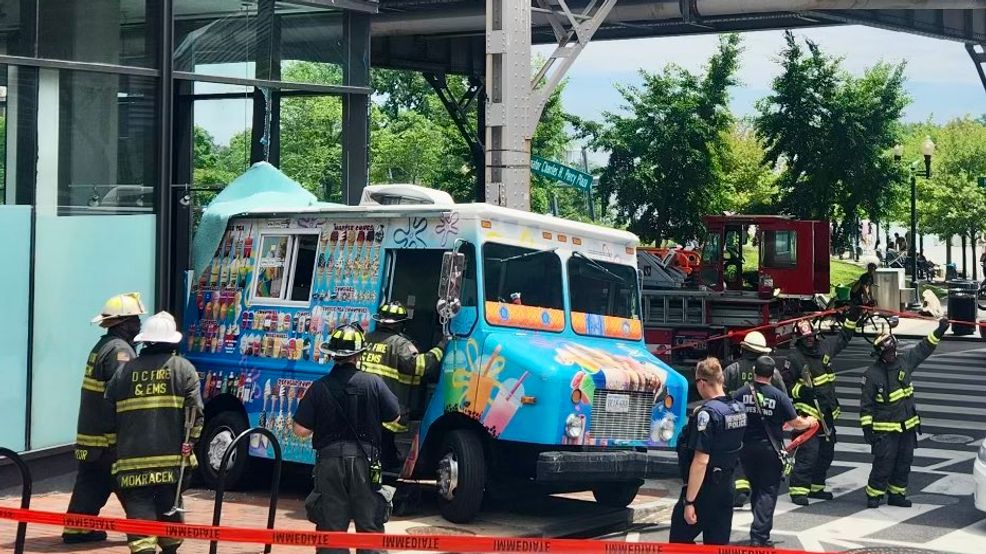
(546,382)
(690,296)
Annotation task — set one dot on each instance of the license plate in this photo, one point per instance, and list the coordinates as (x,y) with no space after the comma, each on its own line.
(618,403)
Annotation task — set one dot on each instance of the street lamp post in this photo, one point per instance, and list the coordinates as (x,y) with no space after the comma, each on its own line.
(928,150)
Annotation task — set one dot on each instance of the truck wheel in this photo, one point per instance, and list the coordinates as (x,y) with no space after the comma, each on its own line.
(461,476)
(217,435)
(616,495)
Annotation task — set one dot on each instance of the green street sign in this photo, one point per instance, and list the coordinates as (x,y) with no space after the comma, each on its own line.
(562,173)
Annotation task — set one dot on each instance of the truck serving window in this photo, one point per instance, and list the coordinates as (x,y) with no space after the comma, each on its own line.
(527,286)
(285,267)
(780,249)
(604,298)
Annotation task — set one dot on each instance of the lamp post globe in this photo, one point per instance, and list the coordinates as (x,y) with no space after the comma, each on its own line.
(928,149)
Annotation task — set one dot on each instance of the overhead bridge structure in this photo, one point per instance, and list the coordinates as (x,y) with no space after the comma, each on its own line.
(490,42)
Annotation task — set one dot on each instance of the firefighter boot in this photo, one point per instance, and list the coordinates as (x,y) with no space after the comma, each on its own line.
(740,498)
(898,500)
(79,537)
(820,494)
(800,500)
(872,501)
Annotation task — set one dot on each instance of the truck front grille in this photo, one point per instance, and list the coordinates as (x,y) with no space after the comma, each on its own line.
(632,425)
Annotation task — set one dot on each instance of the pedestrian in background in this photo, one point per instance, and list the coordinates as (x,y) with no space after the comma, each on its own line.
(158,411)
(889,418)
(707,454)
(95,443)
(738,374)
(767,410)
(344,412)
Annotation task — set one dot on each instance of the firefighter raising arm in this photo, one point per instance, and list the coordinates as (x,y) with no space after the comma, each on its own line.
(913,357)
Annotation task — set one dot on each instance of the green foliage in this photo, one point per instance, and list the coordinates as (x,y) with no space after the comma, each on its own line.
(668,148)
(750,186)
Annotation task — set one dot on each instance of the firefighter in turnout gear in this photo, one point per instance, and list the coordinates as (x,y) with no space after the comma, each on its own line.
(708,451)
(737,375)
(95,443)
(889,418)
(152,397)
(809,368)
(393,356)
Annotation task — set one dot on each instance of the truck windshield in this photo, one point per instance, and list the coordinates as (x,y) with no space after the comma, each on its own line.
(522,276)
(603,288)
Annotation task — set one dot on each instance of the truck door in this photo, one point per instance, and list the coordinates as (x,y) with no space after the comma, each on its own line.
(710,271)
(821,279)
(787,255)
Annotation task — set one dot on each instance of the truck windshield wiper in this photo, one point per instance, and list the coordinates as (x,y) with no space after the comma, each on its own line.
(599,266)
(522,256)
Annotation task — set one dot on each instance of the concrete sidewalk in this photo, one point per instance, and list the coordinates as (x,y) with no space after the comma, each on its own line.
(559,516)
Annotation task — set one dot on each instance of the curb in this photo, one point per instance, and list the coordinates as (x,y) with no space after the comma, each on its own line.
(652,512)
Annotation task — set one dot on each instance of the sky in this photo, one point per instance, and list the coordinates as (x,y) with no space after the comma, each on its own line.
(941,78)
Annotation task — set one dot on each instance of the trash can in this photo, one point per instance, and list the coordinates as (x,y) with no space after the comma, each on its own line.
(842,292)
(962,306)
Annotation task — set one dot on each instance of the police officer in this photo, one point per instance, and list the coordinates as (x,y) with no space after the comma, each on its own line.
(889,418)
(707,454)
(95,444)
(814,395)
(738,374)
(344,412)
(767,409)
(393,356)
(157,405)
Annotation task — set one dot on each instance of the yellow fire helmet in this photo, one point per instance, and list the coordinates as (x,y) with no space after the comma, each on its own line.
(121,305)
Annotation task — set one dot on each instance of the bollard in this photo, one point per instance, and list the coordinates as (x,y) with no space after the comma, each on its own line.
(275,483)
(26,483)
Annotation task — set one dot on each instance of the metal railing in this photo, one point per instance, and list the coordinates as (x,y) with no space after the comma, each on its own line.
(26,484)
(221,482)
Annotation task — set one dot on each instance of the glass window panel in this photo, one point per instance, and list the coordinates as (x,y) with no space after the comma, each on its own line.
(602,288)
(780,248)
(304,268)
(15,29)
(104,160)
(522,276)
(119,32)
(272,267)
(311,143)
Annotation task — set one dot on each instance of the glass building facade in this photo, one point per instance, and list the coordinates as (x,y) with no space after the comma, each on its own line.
(112,116)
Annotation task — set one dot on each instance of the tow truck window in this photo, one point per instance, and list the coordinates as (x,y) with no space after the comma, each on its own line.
(602,288)
(710,253)
(780,249)
(285,268)
(522,276)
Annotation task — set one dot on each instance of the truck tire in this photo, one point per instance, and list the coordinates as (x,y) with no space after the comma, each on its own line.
(616,495)
(217,435)
(461,476)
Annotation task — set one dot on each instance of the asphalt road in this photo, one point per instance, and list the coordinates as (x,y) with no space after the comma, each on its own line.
(951,393)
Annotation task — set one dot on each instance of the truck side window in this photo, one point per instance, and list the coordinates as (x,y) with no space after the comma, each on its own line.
(469,279)
(272,266)
(304,268)
(285,267)
(780,249)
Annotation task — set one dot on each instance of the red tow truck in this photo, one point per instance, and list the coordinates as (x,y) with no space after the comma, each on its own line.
(693,294)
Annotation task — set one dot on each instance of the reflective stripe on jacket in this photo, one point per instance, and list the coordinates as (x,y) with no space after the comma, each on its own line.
(394,357)
(94,429)
(887,402)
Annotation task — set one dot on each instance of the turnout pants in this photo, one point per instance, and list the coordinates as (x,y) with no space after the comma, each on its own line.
(151,503)
(764,470)
(741,485)
(342,487)
(892,457)
(713,507)
(812,462)
(93,486)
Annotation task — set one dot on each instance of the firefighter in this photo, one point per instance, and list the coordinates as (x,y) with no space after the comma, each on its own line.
(889,418)
(738,374)
(767,409)
(95,444)
(393,356)
(707,454)
(809,367)
(158,412)
(344,412)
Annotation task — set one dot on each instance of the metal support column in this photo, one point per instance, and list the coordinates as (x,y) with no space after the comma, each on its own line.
(164,287)
(355,107)
(515,100)
(459,110)
(978,54)
(265,143)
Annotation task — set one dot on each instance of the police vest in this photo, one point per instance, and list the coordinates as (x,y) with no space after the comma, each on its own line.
(150,394)
(94,432)
(726,426)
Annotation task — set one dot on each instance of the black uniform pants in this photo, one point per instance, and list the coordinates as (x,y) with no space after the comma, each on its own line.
(892,457)
(150,503)
(713,507)
(93,486)
(764,470)
(342,487)
(812,463)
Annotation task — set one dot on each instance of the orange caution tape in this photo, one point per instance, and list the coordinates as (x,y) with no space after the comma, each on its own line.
(378,541)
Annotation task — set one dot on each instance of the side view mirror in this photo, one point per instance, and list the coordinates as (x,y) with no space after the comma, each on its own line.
(450,285)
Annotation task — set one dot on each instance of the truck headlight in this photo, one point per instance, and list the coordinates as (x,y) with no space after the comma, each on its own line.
(574,426)
(982,452)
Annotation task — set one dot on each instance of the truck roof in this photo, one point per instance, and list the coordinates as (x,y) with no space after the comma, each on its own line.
(474,211)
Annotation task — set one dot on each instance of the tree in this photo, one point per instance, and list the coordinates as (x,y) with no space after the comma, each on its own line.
(750,184)
(833,133)
(668,147)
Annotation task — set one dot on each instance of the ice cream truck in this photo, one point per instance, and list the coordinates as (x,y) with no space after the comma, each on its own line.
(546,380)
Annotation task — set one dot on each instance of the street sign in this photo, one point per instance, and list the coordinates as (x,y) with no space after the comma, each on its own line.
(554,170)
